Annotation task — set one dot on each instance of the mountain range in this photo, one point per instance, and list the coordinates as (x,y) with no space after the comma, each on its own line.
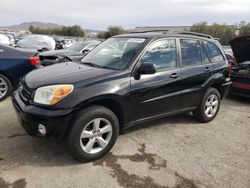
(25,26)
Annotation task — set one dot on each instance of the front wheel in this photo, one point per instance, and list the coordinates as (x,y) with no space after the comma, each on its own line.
(209,106)
(93,134)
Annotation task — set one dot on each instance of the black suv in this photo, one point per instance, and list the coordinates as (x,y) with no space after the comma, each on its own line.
(126,80)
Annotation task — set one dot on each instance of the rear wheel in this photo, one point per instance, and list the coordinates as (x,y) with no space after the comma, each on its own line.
(209,106)
(5,87)
(93,134)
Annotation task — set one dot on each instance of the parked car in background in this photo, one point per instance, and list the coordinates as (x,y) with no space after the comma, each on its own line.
(67,43)
(14,64)
(12,40)
(4,39)
(241,74)
(230,57)
(144,77)
(62,43)
(38,42)
(74,53)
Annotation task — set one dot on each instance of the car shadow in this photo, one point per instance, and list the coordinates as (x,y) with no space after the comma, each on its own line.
(51,152)
(239,100)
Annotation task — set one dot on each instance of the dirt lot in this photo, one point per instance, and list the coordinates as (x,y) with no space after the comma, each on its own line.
(172,152)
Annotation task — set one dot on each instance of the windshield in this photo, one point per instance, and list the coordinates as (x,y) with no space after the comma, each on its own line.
(115,53)
(78,46)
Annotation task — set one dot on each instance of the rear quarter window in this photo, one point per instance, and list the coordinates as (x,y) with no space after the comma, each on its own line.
(214,52)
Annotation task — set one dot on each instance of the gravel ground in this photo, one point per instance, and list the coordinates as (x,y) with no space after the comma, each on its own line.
(173,152)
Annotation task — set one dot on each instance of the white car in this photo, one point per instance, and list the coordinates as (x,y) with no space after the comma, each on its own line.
(4,40)
(38,42)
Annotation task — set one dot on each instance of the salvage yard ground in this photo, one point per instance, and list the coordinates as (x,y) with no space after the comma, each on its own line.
(173,152)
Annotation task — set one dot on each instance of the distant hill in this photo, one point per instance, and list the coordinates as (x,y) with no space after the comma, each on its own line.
(25,26)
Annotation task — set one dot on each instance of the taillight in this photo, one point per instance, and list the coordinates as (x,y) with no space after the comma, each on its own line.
(34,60)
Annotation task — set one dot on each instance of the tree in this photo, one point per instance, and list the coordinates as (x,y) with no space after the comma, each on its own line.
(244,28)
(111,31)
(223,32)
(75,31)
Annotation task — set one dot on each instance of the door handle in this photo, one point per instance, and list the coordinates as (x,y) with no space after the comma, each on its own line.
(207,69)
(174,75)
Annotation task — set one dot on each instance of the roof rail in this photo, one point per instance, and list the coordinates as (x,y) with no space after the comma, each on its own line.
(194,33)
(149,31)
(175,32)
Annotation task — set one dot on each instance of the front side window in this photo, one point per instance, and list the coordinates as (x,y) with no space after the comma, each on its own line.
(78,46)
(115,53)
(214,52)
(162,54)
(190,52)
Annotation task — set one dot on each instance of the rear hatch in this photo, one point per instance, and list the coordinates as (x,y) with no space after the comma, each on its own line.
(241,49)
(241,75)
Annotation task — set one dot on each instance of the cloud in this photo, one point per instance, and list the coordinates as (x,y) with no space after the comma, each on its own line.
(130,13)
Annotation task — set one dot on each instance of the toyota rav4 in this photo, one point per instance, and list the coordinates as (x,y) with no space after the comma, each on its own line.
(126,80)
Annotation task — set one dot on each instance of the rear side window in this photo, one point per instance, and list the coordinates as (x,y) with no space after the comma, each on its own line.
(162,54)
(190,52)
(214,52)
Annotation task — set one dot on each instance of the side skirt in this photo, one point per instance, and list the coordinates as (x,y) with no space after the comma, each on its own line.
(133,123)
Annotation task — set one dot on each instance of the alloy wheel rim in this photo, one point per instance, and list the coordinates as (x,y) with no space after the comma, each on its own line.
(96,135)
(211,106)
(3,88)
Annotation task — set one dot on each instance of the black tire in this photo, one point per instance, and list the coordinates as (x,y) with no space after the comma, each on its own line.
(82,120)
(9,87)
(199,113)
(64,59)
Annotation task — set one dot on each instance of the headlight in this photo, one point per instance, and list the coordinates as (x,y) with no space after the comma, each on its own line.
(50,95)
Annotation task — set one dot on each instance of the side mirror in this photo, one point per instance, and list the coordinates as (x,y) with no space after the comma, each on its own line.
(85,51)
(147,68)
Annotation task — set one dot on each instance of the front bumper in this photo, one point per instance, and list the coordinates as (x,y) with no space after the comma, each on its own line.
(241,89)
(30,117)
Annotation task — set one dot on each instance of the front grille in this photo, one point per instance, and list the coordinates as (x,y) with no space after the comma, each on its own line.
(24,91)
(47,57)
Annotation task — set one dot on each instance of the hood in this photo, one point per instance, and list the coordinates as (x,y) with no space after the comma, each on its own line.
(63,73)
(241,48)
(59,52)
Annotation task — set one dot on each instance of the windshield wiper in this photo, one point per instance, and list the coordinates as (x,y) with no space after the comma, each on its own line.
(92,64)
(97,66)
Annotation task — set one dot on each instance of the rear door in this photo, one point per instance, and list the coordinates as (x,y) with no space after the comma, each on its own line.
(159,93)
(195,70)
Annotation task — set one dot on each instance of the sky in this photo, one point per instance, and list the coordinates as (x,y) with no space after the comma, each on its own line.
(99,14)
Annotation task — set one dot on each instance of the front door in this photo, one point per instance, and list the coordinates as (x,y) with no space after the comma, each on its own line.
(159,93)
